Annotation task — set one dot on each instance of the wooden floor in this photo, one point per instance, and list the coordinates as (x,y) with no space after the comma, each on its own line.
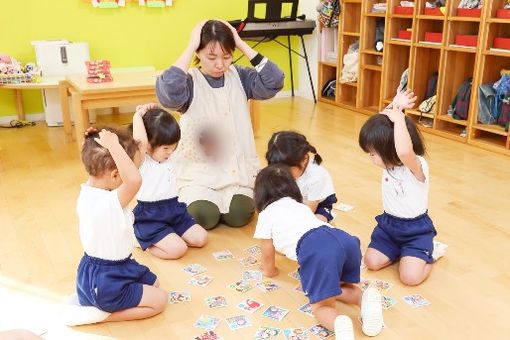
(469,203)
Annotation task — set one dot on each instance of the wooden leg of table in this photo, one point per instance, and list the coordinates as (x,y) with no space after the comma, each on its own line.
(19,104)
(63,87)
(81,118)
(255,115)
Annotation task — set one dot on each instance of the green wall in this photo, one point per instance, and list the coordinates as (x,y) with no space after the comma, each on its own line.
(130,36)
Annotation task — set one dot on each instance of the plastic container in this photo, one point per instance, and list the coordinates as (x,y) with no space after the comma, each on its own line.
(436,37)
(404,34)
(403,10)
(433,11)
(466,40)
(503,43)
(469,12)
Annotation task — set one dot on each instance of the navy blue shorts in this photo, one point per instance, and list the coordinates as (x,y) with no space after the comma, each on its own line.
(155,220)
(396,237)
(327,256)
(112,285)
(324,208)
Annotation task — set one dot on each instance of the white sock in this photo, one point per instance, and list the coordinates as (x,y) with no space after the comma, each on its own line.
(343,328)
(76,314)
(439,250)
(371,312)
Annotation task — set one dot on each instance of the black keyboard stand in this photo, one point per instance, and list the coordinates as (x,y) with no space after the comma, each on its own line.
(291,50)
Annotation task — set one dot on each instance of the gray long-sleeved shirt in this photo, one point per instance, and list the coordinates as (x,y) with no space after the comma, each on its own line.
(174,87)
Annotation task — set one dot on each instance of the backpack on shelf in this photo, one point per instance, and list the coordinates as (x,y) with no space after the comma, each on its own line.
(329,89)
(329,11)
(486,98)
(432,85)
(502,100)
(459,108)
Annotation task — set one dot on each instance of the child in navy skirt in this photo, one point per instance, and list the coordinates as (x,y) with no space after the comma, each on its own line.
(162,223)
(314,181)
(111,286)
(404,231)
(329,258)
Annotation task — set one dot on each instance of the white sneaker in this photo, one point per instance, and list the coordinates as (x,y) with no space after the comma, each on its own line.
(439,250)
(371,312)
(343,328)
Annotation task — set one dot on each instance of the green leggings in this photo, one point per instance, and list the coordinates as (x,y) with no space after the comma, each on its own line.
(208,215)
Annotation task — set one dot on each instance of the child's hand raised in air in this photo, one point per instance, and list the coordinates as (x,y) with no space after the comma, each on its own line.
(142,109)
(404,100)
(107,139)
(394,114)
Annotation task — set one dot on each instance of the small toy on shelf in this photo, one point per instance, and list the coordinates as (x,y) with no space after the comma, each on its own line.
(13,72)
(98,71)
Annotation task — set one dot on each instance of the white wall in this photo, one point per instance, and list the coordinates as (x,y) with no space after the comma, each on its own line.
(308,7)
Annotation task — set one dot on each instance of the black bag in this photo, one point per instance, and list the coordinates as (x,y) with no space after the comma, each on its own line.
(460,104)
(329,89)
(431,85)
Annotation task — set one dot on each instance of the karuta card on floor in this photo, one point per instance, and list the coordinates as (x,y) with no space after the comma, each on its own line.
(275,313)
(252,275)
(267,286)
(194,269)
(201,280)
(238,322)
(296,334)
(299,289)
(240,286)
(249,305)
(223,255)
(209,335)
(178,297)
(249,261)
(416,300)
(207,322)
(265,332)
(343,207)
(216,302)
(381,285)
(321,332)
(387,301)
(254,250)
(307,309)
(295,275)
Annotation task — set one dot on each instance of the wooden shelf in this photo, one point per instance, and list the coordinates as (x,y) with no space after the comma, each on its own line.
(374,52)
(351,34)
(353,84)
(328,63)
(329,100)
(496,129)
(376,15)
(497,53)
(469,19)
(402,42)
(419,113)
(460,48)
(428,45)
(448,118)
(404,16)
(430,17)
(372,67)
(352,1)
(498,21)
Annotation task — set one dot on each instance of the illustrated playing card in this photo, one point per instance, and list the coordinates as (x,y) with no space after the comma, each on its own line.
(194,269)
(343,207)
(267,286)
(216,301)
(296,334)
(307,309)
(321,332)
(298,288)
(387,301)
(178,297)
(249,261)
(364,284)
(223,255)
(381,285)
(237,322)
(295,275)
(249,305)
(200,280)
(207,322)
(416,300)
(275,313)
(252,275)
(267,333)
(254,250)
(240,286)
(209,335)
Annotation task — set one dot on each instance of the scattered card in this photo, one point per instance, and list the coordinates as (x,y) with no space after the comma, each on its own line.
(416,300)
(209,335)
(207,322)
(238,322)
(296,334)
(216,302)
(178,297)
(364,284)
(200,280)
(252,275)
(321,332)
(240,286)
(267,286)
(387,301)
(254,250)
(298,288)
(194,269)
(249,305)
(381,285)
(275,313)
(343,207)
(265,332)
(307,309)
(249,261)
(295,275)
(223,255)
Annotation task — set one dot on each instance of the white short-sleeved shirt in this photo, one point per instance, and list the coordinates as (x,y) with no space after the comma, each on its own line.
(106,229)
(158,180)
(315,183)
(403,195)
(285,221)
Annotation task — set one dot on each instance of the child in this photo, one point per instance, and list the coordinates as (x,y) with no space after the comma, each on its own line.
(404,231)
(162,223)
(329,258)
(314,181)
(107,276)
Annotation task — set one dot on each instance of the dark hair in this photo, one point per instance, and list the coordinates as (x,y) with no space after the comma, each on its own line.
(97,160)
(290,148)
(161,128)
(216,31)
(377,135)
(275,182)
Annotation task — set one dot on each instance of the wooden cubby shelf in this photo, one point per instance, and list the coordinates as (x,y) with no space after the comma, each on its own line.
(433,43)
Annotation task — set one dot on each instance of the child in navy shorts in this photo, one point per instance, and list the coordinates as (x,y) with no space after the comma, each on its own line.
(329,258)
(404,231)
(111,286)
(314,181)
(162,223)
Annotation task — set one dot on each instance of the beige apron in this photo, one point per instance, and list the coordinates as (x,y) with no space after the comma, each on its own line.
(216,156)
